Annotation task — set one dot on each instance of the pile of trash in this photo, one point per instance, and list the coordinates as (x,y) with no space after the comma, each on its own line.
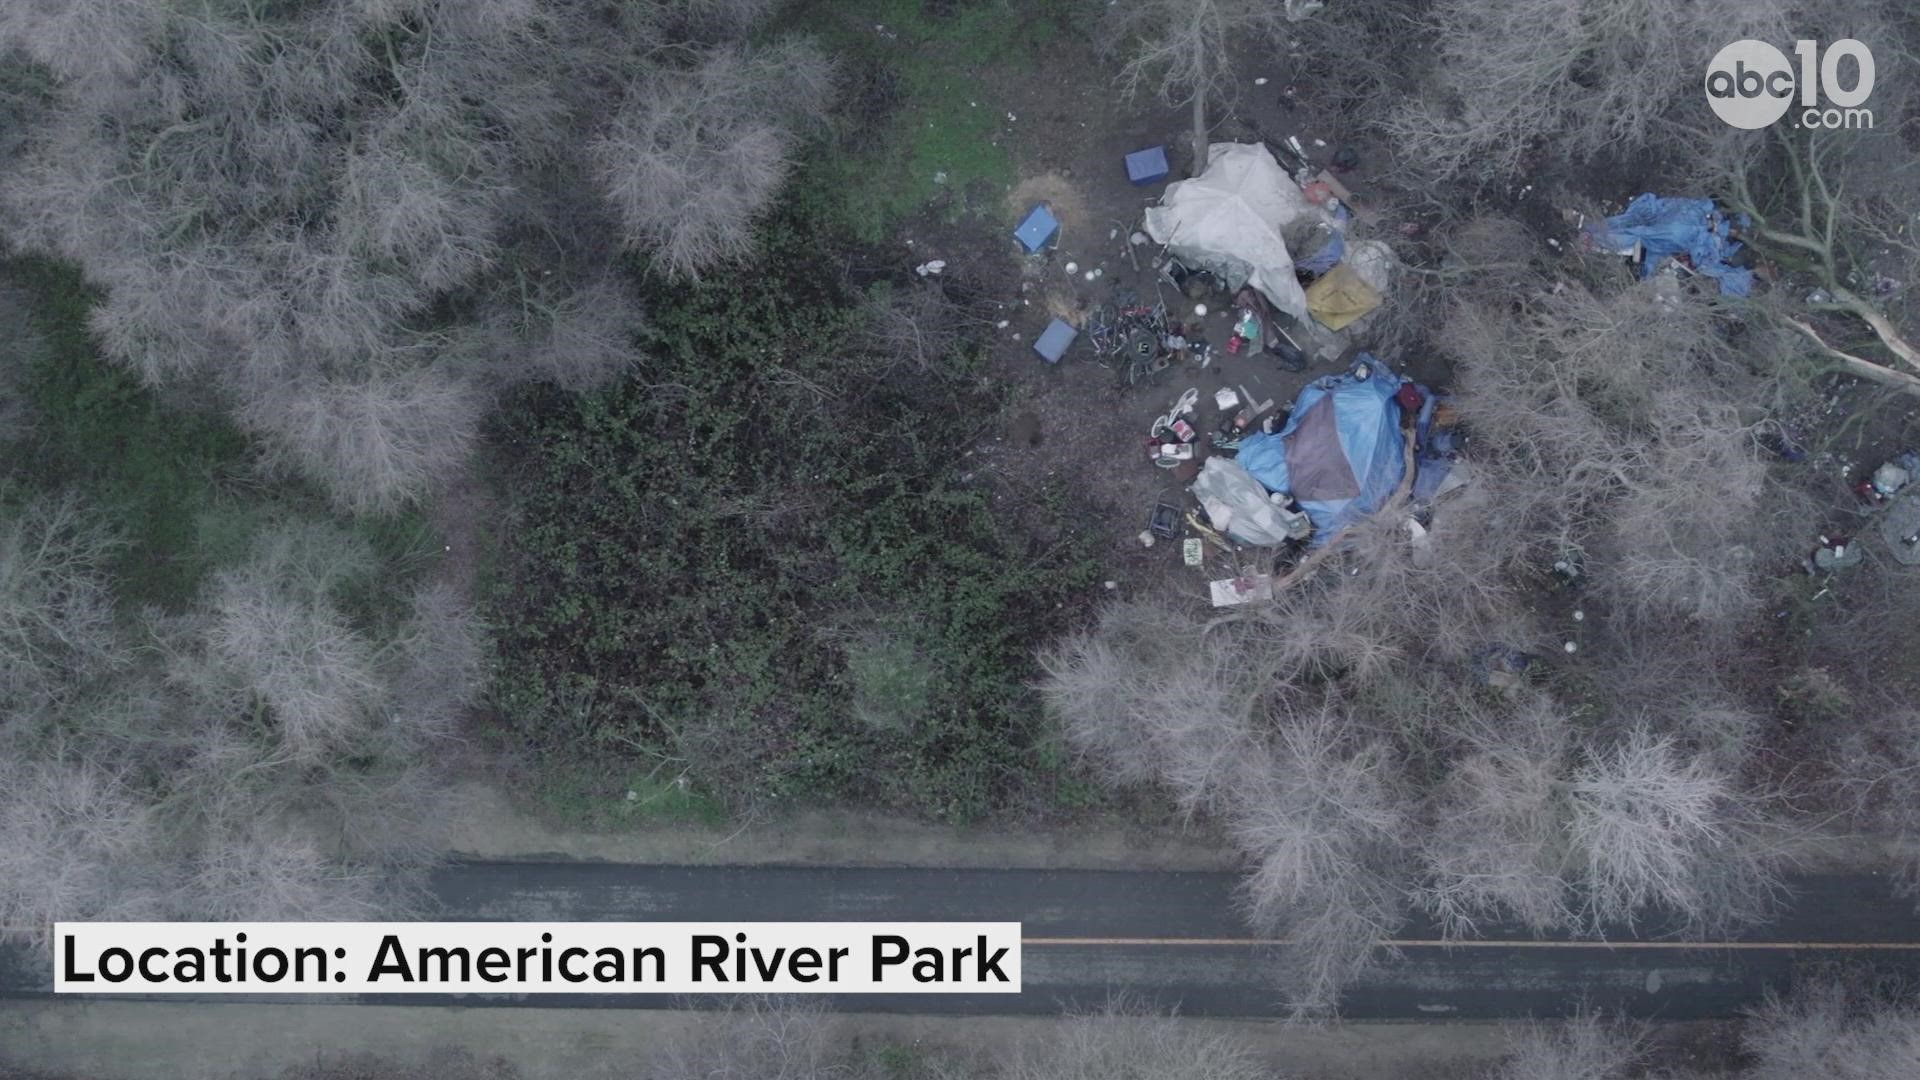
(1892,493)
(1273,486)
(1235,228)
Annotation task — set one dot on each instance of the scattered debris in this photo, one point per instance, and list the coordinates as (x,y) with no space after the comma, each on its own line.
(1193,551)
(1232,592)
(1165,521)
(1901,528)
(931,266)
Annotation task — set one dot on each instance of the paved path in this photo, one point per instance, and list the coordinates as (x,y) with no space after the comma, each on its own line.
(1172,939)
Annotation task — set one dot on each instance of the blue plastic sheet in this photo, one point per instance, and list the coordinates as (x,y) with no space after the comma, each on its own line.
(1327,257)
(1692,227)
(1341,454)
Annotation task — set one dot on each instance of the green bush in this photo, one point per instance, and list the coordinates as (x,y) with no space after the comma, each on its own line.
(764,536)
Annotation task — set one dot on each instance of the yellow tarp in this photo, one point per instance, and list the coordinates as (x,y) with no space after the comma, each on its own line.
(1339,297)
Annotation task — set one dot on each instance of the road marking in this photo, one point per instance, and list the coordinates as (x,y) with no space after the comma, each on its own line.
(1427,943)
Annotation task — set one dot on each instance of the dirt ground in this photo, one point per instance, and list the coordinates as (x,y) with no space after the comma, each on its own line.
(1072,420)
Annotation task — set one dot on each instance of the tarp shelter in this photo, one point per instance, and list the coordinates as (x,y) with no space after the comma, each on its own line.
(1341,454)
(1694,228)
(1230,220)
(1037,229)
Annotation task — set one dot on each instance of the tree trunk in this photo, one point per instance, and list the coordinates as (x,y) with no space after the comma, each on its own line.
(1199,134)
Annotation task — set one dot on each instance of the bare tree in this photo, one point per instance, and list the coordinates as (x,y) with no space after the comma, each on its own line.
(1180,49)
(1834,1030)
(1510,78)
(1651,828)
(1610,427)
(753,1038)
(1833,218)
(389,436)
(353,221)
(695,155)
(264,874)
(1143,712)
(1118,1045)
(1498,845)
(917,329)
(1584,1048)
(56,610)
(71,837)
(1325,821)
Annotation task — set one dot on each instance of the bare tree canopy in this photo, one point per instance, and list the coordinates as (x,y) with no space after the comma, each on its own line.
(1179,49)
(352,220)
(269,754)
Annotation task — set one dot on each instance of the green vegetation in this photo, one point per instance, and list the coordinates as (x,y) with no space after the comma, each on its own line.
(176,484)
(927,128)
(759,560)
(157,473)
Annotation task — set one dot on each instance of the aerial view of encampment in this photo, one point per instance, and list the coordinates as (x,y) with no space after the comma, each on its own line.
(959,540)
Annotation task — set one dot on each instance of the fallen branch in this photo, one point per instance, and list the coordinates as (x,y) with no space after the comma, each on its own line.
(1883,327)
(1865,368)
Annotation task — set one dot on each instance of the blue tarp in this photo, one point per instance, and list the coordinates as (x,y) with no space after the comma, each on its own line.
(1691,227)
(1341,454)
(1147,166)
(1037,229)
(1053,342)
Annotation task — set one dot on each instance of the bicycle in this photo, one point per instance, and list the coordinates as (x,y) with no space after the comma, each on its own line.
(1103,332)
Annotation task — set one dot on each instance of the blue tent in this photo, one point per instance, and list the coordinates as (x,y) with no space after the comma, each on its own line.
(1341,454)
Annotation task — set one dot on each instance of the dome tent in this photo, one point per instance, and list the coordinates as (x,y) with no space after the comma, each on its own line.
(1341,454)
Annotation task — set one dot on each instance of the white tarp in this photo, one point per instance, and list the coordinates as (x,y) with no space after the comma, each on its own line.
(1231,218)
(1239,506)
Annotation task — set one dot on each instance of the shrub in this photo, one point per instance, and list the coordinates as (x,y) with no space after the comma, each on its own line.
(1584,1048)
(1118,1045)
(1834,1030)
(700,551)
